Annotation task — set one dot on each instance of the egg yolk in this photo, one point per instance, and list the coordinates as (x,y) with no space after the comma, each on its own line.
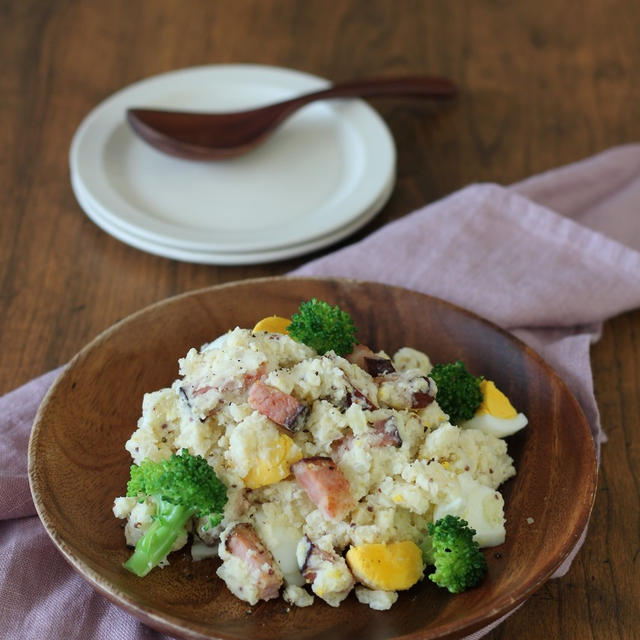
(273,324)
(494,402)
(274,463)
(389,567)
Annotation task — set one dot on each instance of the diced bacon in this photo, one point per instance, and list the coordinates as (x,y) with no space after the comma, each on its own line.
(325,485)
(243,542)
(385,433)
(421,399)
(203,398)
(378,366)
(327,572)
(405,390)
(355,396)
(382,433)
(359,353)
(360,389)
(366,359)
(314,557)
(278,406)
(340,446)
(251,376)
(200,390)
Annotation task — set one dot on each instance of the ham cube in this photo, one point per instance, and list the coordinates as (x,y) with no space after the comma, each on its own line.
(327,572)
(366,359)
(405,390)
(243,543)
(341,446)
(278,406)
(378,366)
(325,485)
(313,558)
(384,433)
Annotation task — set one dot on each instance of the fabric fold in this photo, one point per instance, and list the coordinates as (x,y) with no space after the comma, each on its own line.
(17,411)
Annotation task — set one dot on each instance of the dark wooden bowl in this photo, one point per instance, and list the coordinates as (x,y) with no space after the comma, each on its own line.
(78,464)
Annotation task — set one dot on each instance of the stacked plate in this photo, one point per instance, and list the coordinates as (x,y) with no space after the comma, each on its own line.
(321,176)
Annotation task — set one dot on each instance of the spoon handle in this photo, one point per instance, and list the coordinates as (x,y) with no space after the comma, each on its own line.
(416,86)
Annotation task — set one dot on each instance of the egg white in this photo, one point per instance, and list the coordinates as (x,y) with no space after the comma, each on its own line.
(481,507)
(281,539)
(492,425)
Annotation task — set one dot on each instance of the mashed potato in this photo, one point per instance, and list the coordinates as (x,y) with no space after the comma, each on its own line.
(318,456)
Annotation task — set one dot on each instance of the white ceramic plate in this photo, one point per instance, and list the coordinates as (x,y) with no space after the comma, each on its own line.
(326,167)
(222,258)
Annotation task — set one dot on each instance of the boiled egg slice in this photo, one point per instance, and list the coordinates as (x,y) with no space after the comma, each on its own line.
(273,324)
(390,566)
(273,462)
(281,538)
(496,415)
(481,507)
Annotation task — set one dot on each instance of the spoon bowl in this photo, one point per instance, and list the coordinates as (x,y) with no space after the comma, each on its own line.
(216,136)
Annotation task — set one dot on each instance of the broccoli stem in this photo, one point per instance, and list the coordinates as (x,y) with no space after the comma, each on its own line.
(157,542)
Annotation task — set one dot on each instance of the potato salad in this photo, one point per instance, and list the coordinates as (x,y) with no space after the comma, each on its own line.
(334,465)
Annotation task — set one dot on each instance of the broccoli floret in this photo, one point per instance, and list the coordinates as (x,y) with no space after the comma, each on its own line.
(181,487)
(450,548)
(459,393)
(323,327)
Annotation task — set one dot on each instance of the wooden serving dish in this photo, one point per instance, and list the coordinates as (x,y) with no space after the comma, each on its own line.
(78,464)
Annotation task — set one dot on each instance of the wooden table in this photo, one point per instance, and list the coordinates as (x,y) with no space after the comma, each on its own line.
(543,84)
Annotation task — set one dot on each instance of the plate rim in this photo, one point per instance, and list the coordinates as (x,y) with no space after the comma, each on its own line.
(166,250)
(95,184)
(169,623)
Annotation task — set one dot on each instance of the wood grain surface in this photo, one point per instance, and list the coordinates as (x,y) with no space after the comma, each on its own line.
(542,84)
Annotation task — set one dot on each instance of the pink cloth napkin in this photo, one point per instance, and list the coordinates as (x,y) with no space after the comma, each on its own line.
(549,258)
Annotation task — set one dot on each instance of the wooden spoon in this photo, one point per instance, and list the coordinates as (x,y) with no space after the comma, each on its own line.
(212,136)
